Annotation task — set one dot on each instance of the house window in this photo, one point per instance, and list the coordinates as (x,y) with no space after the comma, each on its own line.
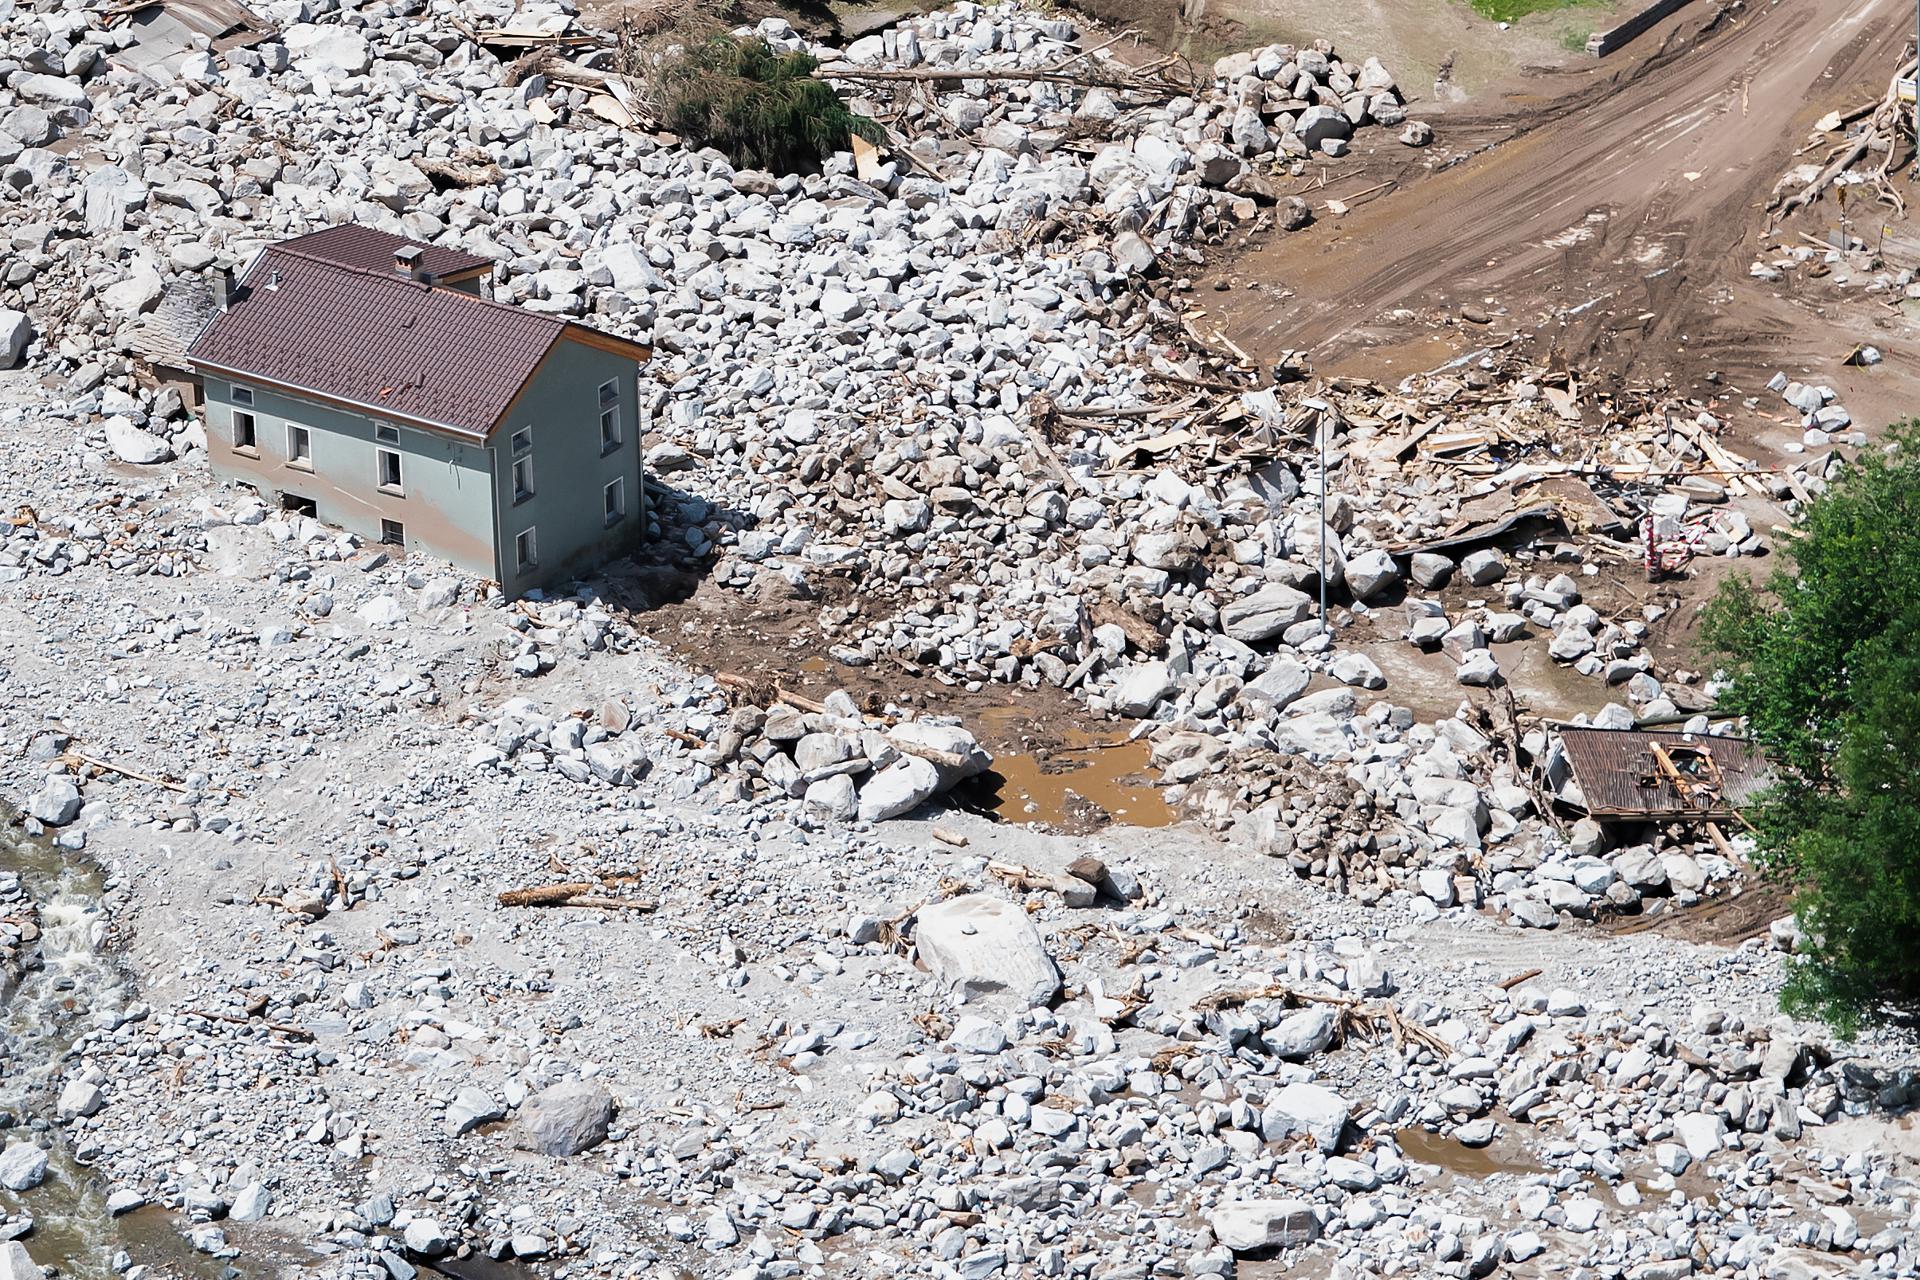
(522,479)
(386,435)
(525,554)
(244,438)
(387,462)
(393,533)
(616,501)
(609,416)
(242,395)
(522,440)
(299,447)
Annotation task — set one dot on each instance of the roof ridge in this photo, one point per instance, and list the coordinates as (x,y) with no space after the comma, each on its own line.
(425,288)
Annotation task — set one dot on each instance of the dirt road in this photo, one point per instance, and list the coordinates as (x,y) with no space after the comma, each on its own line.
(1606,213)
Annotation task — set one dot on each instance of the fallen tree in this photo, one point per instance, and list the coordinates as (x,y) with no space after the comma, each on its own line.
(1888,122)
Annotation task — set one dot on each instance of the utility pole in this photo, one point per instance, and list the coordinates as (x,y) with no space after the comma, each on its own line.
(1320,420)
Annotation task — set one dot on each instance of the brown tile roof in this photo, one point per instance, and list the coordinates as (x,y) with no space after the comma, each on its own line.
(380,341)
(352,245)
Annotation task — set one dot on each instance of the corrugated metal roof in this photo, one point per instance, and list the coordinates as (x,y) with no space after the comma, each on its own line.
(167,30)
(1617,773)
(213,18)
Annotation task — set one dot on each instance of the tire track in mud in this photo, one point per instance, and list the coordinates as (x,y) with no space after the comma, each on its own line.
(1606,210)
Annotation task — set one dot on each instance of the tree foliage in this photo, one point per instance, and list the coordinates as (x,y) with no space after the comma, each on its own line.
(1825,666)
(762,108)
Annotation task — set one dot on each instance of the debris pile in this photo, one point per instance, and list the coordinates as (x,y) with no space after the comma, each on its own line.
(829,756)
(335,794)
(1047,127)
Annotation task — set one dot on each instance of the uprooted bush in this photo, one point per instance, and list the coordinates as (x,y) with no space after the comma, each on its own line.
(1826,668)
(761,108)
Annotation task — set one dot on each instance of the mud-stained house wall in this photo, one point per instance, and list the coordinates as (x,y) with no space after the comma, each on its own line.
(362,378)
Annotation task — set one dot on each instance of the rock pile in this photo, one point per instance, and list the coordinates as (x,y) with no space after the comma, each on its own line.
(834,760)
(309,773)
(1152,1053)
(1185,161)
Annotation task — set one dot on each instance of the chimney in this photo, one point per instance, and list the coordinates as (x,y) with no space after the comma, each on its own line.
(406,261)
(223,288)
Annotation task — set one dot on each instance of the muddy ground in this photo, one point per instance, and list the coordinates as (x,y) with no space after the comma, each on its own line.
(1605,216)
(1416,38)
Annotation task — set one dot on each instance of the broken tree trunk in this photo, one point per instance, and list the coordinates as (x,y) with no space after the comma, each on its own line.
(1882,132)
(577,893)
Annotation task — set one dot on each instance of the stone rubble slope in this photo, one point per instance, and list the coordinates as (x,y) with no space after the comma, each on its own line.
(1158,1061)
(340,1038)
(891,382)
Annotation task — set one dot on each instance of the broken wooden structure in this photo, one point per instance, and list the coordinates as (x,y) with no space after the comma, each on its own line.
(1641,775)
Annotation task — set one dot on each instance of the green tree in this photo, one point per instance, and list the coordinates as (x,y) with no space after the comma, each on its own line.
(762,108)
(1825,666)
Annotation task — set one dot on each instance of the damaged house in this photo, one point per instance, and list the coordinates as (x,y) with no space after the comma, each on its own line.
(362,379)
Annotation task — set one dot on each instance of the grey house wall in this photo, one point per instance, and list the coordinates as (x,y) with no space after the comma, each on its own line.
(446,504)
(561,405)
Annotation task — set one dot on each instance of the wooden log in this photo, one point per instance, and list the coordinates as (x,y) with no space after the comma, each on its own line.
(574,894)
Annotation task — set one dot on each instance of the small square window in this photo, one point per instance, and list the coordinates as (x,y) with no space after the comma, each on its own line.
(388,469)
(615,501)
(387,435)
(522,479)
(525,553)
(609,393)
(610,430)
(299,447)
(393,533)
(523,440)
(244,435)
(243,395)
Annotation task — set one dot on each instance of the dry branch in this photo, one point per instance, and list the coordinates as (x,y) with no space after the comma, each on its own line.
(76,757)
(1355,1015)
(578,893)
(1882,132)
(292,1032)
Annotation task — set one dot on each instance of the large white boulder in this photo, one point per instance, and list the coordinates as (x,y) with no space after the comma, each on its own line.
(899,788)
(1250,1226)
(1265,613)
(15,331)
(566,1119)
(1312,1109)
(951,742)
(130,444)
(16,1263)
(1141,687)
(1370,574)
(1702,1131)
(56,803)
(986,948)
(23,1166)
(330,51)
(1302,1033)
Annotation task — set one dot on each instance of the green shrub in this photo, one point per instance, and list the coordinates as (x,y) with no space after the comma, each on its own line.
(1826,668)
(761,108)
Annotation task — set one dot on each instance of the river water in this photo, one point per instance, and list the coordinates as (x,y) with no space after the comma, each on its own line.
(77,986)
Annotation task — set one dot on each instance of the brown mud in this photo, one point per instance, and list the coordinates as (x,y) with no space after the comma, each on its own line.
(1604,215)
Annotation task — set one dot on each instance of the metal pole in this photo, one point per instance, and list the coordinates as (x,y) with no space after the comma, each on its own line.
(1321,419)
